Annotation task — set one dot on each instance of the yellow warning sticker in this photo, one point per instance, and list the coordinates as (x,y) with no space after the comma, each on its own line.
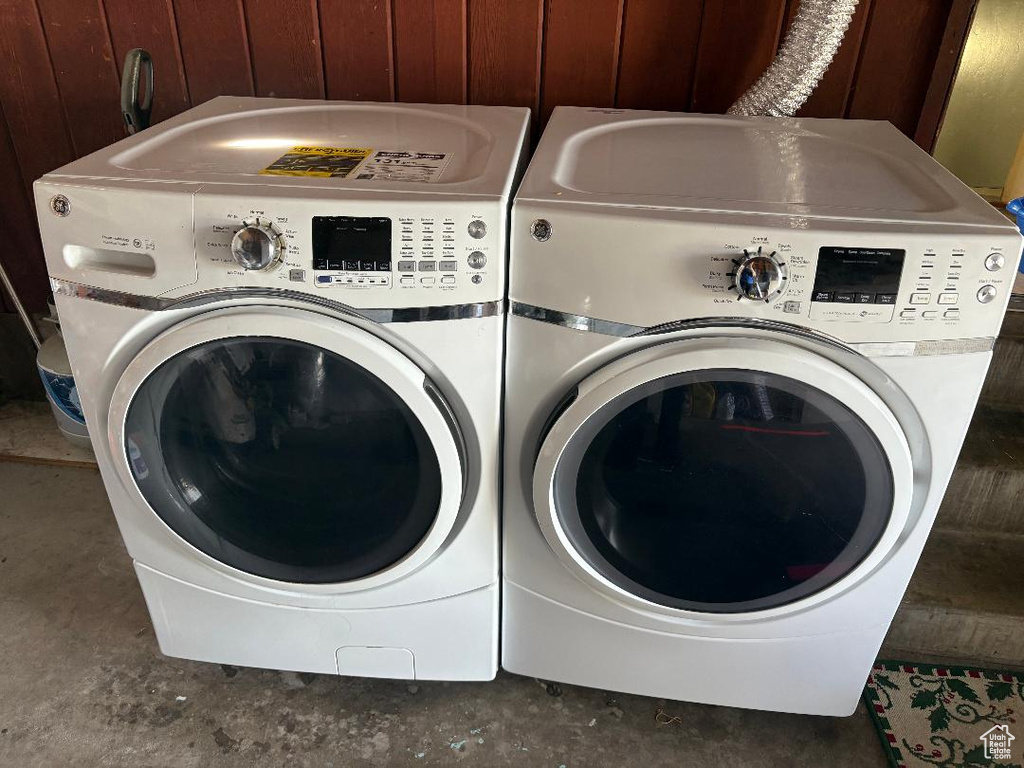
(326,162)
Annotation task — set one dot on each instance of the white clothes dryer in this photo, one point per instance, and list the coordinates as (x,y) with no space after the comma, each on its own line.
(742,356)
(285,321)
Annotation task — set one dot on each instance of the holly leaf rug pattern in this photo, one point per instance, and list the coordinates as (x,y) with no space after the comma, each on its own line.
(947,716)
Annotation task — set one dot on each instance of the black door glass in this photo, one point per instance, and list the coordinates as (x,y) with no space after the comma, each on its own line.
(724,491)
(283,460)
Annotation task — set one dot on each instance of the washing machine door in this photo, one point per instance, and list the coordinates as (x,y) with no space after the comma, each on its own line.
(723,475)
(289,445)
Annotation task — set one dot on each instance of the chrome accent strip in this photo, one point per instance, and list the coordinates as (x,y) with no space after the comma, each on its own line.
(866,349)
(157,304)
(576,322)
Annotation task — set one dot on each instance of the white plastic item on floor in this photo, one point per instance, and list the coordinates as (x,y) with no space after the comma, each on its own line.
(742,356)
(296,422)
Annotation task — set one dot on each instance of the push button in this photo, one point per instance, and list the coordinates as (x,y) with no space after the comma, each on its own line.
(427,280)
(428,266)
(407,280)
(448,266)
(885,298)
(920,298)
(845,298)
(951,314)
(448,280)
(477,229)
(994,262)
(906,314)
(930,314)
(407,266)
(822,296)
(865,298)
(948,298)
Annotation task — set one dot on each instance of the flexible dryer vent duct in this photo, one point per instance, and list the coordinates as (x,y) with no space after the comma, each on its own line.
(809,47)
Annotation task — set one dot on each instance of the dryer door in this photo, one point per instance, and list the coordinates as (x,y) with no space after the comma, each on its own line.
(723,475)
(289,445)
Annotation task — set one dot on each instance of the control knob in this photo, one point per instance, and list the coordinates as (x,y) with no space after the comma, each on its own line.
(258,245)
(759,276)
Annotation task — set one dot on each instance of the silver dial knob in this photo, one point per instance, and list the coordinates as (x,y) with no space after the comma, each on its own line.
(257,245)
(759,276)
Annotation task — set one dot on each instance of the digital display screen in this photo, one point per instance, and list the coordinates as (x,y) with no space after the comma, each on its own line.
(858,275)
(352,243)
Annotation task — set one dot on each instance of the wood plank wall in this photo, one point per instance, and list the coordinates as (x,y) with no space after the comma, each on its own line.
(61,66)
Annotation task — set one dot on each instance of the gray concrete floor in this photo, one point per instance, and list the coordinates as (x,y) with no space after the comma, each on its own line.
(82,682)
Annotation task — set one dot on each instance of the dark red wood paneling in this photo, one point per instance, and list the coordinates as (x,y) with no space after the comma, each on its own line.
(504,52)
(940,86)
(214,49)
(29,96)
(430,51)
(581,53)
(830,97)
(900,52)
(738,39)
(150,24)
(284,42)
(60,90)
(659,53)
(358,56)
(22,254)
(87,76)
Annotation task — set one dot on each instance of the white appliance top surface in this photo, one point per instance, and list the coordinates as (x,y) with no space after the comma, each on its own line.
(857,169)
(232,139)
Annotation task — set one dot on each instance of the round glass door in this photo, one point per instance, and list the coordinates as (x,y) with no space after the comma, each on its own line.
(283,459)
(722,490)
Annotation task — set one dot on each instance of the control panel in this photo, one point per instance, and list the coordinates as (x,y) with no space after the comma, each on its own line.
(879,281)
(859,281)
(355,252)
(858,284)
(351,250)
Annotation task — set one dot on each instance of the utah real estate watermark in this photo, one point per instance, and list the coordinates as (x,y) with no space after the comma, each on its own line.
(997,741)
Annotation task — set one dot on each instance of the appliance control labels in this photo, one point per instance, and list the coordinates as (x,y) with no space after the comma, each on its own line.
(361,163)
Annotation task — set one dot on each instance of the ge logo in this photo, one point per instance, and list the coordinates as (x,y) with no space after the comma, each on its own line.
(60,205)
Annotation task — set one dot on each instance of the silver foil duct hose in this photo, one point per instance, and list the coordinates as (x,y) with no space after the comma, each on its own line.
(808,49)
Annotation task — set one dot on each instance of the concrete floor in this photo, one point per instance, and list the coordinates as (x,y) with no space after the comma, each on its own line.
(82,682)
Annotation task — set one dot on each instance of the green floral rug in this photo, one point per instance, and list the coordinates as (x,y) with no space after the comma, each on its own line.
(948,716)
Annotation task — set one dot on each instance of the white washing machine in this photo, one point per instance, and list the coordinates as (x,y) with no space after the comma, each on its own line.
(285,321)
(742,356)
